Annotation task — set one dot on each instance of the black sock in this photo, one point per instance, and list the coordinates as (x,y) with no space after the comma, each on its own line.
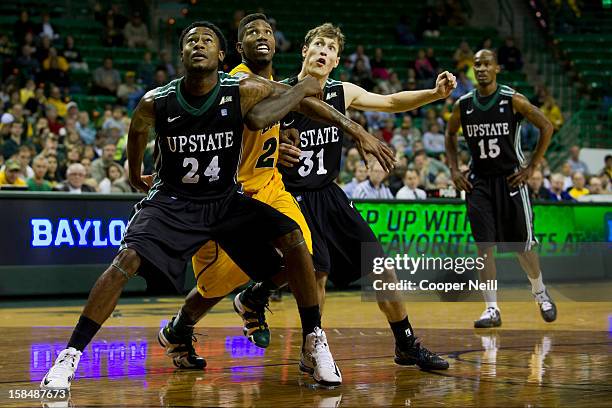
(311,318)
(84,331)
(258,294)
(403,333)
(182,323)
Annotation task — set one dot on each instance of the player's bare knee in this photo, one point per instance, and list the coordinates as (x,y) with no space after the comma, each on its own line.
(290,241)
(126,263)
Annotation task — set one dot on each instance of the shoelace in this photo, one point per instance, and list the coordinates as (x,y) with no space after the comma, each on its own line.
(423,352)
(489,313)
(322,350)
(67,362)
(546,305)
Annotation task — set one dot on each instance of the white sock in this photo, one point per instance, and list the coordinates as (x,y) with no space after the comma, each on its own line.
(537,286)
(490,297)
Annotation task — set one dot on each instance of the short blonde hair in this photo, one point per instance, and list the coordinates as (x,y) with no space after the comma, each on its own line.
(327,30)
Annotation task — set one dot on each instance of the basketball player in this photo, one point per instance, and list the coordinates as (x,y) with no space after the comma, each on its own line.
(198,122)
(497,199)
(337,228)
(217,275)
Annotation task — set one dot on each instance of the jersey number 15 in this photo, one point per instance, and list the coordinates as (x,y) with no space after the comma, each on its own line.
(493,150)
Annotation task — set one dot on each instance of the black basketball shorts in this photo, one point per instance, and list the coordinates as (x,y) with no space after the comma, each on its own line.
(500,214)
(166,231)
(338,232)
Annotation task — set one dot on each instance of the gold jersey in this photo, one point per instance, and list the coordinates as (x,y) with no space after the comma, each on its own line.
(259,149)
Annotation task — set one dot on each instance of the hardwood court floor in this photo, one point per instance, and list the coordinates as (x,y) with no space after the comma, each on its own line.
(526,363)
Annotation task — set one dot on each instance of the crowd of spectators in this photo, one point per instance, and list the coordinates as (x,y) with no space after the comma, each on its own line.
(48,142)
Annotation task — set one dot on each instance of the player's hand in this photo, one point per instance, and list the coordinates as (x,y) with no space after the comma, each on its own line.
(288,155)
(368,144)
(461,181)
(445,83)
(142,183)
(519,178)
(311,87)
(290,136)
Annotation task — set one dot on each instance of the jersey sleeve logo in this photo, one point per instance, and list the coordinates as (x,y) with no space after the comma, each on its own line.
(330,95)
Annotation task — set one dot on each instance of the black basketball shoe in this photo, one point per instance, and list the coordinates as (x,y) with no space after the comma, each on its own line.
(419,355)
(489,318)
(180,348)
(548,310)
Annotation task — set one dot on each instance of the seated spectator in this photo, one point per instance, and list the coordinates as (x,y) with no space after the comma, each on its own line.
(114,172)
(38,182)
(428,168)
(431,118)
(403,34)
(425,74)
(85,129)
(75,177)
(73,111)
(442,182)
(159,79)
(379,65)
(574,161)
(552,111)
(431,57)
(454,13)
(106,78)
(361,175)
(463,56)
(27,92)
(566,171)
(112,36)
(360,54)
(28,66)
(129,92)
(53,175)
(395,181)
(10,175)
(578,189)
(57,101)
(24,156)
(55,69)
(136,33)
(486,44)
(23,26)
(464,85)
(595,186)
(411,190)
(387,130)
(42,51)
(509,56)
(536,188)
(73,55)
(429,24)
(433,140)
(15,140)
(165,63)
(116,121)
(373,188)
(121,185)
(146,70)
(38,102)
(282,43)
(362,76)
(100,165)
(394,85)
(557,192)
(377,120)
(46,28)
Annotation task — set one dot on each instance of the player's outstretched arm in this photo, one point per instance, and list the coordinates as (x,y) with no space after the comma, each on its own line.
(142,121)
(450,143)
(266,102)
(358,98)
(537,118)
